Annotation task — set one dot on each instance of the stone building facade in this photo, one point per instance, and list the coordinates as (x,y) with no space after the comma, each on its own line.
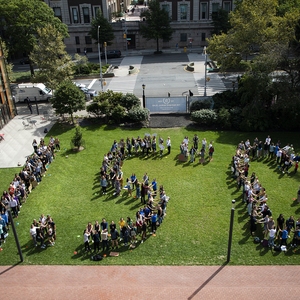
(191,21)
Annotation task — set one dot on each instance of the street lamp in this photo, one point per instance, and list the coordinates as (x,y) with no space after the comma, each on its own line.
(230,230)
(205,76)
(100,58)
(144,98)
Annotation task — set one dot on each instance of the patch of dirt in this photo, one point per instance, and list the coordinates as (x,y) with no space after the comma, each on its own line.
(170,120)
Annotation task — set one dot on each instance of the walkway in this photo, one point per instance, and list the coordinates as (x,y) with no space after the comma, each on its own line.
(141,282)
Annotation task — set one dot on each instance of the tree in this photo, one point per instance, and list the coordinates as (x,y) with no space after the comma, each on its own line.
(20,20)
(68,99)
(106,33)
(77,140)
(220,21)
(9,66)
(49,54)
(157,24)
(255,24)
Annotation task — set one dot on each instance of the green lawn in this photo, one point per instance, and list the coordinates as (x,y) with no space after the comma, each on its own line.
(195,230)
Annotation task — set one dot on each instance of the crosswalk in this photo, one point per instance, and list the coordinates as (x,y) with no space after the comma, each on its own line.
(214,83)
(123,82)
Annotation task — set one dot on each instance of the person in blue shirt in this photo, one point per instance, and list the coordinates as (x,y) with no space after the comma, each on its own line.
(154,187)
(284,237)
(153,222)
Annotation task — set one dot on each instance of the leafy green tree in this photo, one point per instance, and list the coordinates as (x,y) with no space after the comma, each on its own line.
(255,23)
(9,66)
(49,54)
(68,99)
(157,23)
(77,140)
(106,33)
(129,101)
(220,21)
(20,20)
(81,62)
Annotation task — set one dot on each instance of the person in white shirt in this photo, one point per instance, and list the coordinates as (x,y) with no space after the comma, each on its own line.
(272,234)
(32,232)
(169,145)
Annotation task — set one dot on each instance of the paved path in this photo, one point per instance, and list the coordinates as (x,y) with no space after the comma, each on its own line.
(164,282)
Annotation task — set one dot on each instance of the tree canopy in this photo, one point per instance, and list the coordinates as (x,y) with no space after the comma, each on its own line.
(20,21)
(49,54)
(157,23)
(68,99)
(106,33)
(255,24)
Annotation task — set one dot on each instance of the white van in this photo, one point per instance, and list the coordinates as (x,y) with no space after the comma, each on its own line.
(31,90)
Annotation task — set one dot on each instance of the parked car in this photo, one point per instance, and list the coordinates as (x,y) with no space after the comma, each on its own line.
(90,92)
(111,54)
(80,85)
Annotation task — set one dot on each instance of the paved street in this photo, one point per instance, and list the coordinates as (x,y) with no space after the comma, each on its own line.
(162,74)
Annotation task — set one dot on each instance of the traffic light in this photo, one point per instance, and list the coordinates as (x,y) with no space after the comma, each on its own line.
(104,44)
(124,35)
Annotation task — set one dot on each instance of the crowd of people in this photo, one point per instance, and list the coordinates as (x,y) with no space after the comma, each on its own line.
(194,150)
(277,231)
(153,199)
(28,178)
(43,231)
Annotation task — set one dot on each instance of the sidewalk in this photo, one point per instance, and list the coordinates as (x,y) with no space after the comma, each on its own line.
(150,282)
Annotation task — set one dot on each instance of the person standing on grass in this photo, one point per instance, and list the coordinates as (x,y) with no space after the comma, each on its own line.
(96,239)
(57,144)
(104,237)
(144,231)
(103,183)
(192,153)
(284,237)
(86,236)
(114,238)
(211,151)
(169,145)
(272,234)
(153,222)
(196,141)
(202,155)
(33,234)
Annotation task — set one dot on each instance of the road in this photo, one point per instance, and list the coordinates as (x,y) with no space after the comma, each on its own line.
(161,74)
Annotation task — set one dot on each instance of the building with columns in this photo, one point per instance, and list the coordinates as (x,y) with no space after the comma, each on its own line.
(191,21)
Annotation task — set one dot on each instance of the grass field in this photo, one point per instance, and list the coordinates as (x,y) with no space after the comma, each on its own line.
(195,230)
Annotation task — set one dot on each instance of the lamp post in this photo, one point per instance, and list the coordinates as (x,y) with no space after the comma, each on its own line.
(230,230)
(100,58)
(144,98)
(205,76)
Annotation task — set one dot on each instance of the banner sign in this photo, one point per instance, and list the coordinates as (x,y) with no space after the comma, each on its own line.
(167,104)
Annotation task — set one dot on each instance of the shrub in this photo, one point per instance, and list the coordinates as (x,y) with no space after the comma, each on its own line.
(77,140)
(129,101)
(82,69)
(138,114)
(118,113)
(201,104)
(224,118)
(204,117)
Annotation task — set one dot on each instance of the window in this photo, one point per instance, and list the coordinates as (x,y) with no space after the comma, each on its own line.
(166,7)
(57,12)
(97,9)
(77,41)
(75,15)
(183,11)
(86,15)
(88,39)
(203,36)
(215,7)
(78,50)
(203,11)
(183,37)
(227,6)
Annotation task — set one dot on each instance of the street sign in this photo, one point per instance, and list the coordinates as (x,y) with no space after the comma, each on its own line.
(128,39)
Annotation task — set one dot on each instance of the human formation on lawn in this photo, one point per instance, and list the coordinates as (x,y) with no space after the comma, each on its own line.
(275,233)
(28,178)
